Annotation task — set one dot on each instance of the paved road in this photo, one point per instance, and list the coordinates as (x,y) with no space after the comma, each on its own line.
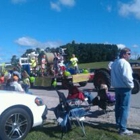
(135,100)
(50,98)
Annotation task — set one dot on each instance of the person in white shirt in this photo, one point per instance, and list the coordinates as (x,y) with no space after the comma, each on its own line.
(122,81)
(111,62)
(16,85)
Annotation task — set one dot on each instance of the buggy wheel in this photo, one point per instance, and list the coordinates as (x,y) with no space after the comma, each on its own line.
(136,88)
(82,84)
(65,83)
(101,77)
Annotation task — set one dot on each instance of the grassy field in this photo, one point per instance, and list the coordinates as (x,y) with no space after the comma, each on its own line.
(94,65)
(102,131)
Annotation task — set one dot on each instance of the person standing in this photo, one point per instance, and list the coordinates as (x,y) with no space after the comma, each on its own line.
(56,60)
(43,64)
(122,81)
(74,61)
(111,62)
(33,64)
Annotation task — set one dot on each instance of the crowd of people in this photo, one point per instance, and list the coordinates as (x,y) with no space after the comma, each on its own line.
(56,67)
(16,81)
(121,80)
(47,68)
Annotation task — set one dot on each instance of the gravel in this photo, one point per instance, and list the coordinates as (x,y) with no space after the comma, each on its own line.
(50,98)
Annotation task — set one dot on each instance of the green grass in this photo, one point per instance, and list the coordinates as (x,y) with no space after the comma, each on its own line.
(100,131)
(94,65)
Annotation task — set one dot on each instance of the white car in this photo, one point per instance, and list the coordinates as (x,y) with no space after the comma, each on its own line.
(19,112)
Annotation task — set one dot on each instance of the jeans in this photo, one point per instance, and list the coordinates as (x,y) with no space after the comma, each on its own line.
(89,96)
(122,106)
(26,88)
(76,69)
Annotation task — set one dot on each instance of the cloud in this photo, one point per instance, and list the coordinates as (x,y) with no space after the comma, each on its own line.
(59,3)
(132,8)
(33,43)
(55,6)
(109,8)
(121,46)
(67,2)
(135,46)
(18,1)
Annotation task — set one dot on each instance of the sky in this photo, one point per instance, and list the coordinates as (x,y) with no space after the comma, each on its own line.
(30,24)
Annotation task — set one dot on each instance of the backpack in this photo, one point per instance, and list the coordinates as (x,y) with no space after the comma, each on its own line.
(62,118)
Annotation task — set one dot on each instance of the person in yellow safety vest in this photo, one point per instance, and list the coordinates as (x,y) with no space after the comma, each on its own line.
(74,61)
(33,64)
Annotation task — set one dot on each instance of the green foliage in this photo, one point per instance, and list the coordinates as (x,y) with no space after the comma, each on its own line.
(87,53)
(14,60)
(28,51)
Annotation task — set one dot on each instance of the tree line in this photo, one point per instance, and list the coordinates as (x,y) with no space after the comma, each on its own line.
(85,53)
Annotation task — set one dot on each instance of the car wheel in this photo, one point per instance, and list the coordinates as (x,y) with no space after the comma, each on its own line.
(15,123)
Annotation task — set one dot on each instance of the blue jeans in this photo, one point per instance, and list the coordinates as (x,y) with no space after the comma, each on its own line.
(76,69)
(89,96)
(26,88)
(122,106)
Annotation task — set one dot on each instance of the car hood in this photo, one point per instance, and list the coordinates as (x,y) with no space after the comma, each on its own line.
(11,98)
(12,94)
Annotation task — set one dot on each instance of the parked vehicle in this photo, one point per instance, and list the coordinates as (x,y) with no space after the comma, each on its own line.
(102,76)
(19,112)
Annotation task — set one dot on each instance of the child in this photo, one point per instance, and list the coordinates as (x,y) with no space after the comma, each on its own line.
(26,82)
(75,93)
(110,97)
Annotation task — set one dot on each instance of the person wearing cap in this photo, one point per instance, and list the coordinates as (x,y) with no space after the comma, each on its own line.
(16,85)
(16,73)
(122,81)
